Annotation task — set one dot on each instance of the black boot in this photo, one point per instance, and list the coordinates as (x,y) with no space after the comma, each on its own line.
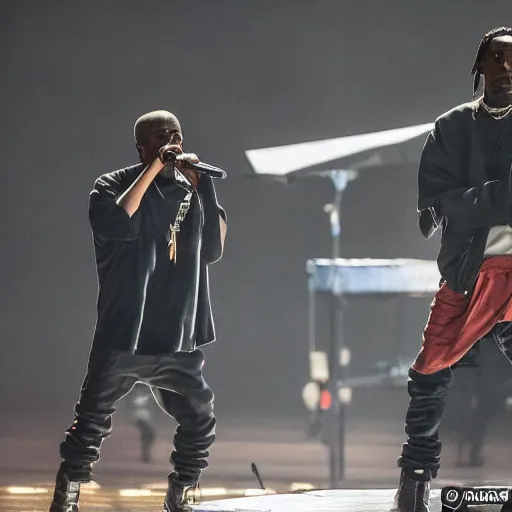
(66,494)
(176,498)
(413,492)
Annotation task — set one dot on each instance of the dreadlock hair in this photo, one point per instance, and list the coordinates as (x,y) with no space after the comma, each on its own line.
(151,118)
(482,49)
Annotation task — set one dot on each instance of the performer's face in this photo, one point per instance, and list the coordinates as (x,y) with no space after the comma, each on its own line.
(497,69)
(157,135)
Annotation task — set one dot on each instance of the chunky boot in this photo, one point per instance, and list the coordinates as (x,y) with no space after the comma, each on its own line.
(176,497)
(66,494)
(413,491)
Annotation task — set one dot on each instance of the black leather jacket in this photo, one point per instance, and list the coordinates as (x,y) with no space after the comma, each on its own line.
(464,189)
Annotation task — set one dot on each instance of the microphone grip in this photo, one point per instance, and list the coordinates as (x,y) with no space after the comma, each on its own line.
(168,156)
(213,172)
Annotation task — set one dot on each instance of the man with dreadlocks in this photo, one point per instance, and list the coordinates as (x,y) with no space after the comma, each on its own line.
(156,228)
(464,188)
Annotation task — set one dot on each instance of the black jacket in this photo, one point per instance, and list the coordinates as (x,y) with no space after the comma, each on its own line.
(464,189)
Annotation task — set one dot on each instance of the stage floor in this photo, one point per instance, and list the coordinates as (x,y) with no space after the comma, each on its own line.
(369,500)
(314,501)
(112,500)
(286,459)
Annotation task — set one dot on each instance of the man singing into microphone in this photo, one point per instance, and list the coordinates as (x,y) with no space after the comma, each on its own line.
(156,228)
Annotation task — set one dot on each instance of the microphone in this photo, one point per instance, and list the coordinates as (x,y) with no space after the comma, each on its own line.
(213,172)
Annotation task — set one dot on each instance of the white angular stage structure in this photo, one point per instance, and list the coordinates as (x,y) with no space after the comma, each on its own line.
(364,151)
(342,159)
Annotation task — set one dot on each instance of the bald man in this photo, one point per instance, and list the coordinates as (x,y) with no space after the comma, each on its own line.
(156,228)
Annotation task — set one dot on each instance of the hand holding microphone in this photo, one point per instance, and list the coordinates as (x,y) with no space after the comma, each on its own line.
(172,153)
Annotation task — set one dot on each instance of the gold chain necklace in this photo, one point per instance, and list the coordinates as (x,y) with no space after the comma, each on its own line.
(184,183)
(183,209)
(175,228)
(497,113)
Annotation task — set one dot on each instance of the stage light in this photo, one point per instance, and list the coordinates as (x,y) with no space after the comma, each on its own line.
(311,395)
(301,486)
(27,490)
(325,400)
(258,492)
(135,493)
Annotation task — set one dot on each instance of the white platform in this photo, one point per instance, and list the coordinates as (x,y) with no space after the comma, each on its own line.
(373,500)
(373,276)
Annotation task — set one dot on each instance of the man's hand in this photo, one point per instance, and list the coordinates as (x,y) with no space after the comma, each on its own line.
(223,231)
(182,159)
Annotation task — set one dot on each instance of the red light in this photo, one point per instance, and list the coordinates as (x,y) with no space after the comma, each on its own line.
(325,400)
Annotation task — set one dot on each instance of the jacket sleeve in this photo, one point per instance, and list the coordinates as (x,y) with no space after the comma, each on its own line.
(212,244)
(443,195)
(108,220)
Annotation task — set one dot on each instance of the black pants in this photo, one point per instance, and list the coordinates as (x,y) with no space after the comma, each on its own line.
(180,389)
(428,393)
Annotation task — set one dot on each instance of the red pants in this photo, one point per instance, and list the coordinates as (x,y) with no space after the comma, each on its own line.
(456,322)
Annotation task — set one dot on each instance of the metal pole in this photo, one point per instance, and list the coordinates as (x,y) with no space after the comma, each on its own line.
(337,372)
(337,414)
(311,315)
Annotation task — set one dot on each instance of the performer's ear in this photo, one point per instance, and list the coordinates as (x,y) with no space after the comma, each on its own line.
(139,152)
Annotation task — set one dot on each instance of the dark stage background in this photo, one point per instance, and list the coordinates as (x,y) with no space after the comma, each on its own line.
(239,75)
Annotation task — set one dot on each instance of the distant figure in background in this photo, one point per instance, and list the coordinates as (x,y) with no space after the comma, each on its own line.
(144,421)
(464,188)
(157,227)
(473,410)
(480,397)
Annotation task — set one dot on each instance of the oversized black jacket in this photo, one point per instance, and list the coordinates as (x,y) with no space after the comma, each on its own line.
(146,303)
(464,189)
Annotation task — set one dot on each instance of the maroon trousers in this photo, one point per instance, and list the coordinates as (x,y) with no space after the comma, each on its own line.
(456,322)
